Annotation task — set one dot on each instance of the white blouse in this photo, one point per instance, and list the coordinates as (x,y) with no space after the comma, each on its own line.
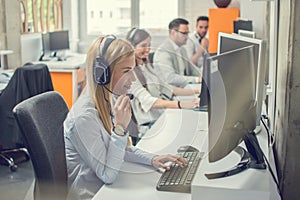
(145,98)
(93,156)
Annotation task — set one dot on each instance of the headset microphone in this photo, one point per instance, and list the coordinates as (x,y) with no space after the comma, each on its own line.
(131,96)
(144,60)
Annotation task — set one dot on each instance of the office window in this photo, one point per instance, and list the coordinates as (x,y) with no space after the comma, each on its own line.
(114,16)
(117,16)
(40,16)
(125,13)
(155,15)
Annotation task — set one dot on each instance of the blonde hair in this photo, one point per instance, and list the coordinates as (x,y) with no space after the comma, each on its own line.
(117,51)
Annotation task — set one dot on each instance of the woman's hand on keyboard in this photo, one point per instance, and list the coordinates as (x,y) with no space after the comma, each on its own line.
(161,160)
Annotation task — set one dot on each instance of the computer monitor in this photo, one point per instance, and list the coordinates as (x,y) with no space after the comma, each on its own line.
(232,109)
(228,42)
(55,41)
(204,91)
(245,33)
(242,25)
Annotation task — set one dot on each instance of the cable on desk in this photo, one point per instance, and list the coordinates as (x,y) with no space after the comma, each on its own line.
(271,141)
(271,136)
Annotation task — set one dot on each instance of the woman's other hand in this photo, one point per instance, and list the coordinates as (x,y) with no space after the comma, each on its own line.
(122,111)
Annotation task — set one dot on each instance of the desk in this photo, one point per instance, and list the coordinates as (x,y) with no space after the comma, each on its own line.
(3,53)
(173,129)
(248,185)
(139,182)
(64,76)
(5,76)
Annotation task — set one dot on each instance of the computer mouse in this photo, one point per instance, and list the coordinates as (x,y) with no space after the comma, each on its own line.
(186,148)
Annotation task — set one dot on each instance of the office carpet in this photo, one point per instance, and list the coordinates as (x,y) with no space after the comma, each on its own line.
(17,185)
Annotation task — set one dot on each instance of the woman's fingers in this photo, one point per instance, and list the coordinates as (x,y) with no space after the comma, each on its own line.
(125,103)
(160,161)
(179,160)
(122,103)
(122,111)
(118,102)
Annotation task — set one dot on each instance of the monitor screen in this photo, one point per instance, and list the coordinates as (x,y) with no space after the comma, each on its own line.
(242,25)
(232,108)
(55,41)
(228,42)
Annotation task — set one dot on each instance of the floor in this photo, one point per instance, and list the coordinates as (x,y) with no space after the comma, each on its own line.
(17,185)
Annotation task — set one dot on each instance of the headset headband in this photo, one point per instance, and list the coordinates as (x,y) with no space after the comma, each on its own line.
(105,44)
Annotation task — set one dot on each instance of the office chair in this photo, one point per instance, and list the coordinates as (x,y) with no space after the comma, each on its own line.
(151,56)
(26,82)
(40,119)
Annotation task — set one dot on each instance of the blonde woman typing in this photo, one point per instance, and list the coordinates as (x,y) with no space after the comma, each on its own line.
(96,138)
(152,95)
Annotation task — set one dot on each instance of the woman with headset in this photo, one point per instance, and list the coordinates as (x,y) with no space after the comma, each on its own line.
(96,138)
(152,94)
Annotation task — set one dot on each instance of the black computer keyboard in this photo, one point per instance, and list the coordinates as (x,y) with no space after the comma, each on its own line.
(179,179)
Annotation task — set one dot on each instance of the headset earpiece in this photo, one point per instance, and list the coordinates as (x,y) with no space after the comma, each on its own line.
(101,71)
(101,67)
(132,33)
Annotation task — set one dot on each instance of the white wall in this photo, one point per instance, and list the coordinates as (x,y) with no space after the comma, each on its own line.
(255,11)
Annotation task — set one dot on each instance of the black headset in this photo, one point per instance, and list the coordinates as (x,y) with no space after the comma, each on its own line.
(101,67)
(132,33)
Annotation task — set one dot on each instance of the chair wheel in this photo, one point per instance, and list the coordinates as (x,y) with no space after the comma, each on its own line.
(13,168)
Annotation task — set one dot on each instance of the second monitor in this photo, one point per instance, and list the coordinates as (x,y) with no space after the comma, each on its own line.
(53,42)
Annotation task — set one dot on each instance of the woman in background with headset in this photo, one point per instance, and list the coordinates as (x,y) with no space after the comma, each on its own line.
(96,139)
(152,95)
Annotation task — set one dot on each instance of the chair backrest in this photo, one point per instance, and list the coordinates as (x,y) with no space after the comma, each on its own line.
(40,119)
(151,55)
(27,81)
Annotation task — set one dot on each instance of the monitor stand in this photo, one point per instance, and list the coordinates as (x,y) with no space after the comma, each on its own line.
(41,58)
(201,108)
(251,158)
(257,130)
(54,54)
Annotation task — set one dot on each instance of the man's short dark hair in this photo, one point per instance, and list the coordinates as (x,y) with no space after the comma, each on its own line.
(202,18)
(175,23)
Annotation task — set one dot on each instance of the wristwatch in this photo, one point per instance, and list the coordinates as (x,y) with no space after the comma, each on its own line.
(119,130)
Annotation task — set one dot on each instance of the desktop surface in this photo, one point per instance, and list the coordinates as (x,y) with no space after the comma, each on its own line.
(249,184)
(172,130)
(136,181)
